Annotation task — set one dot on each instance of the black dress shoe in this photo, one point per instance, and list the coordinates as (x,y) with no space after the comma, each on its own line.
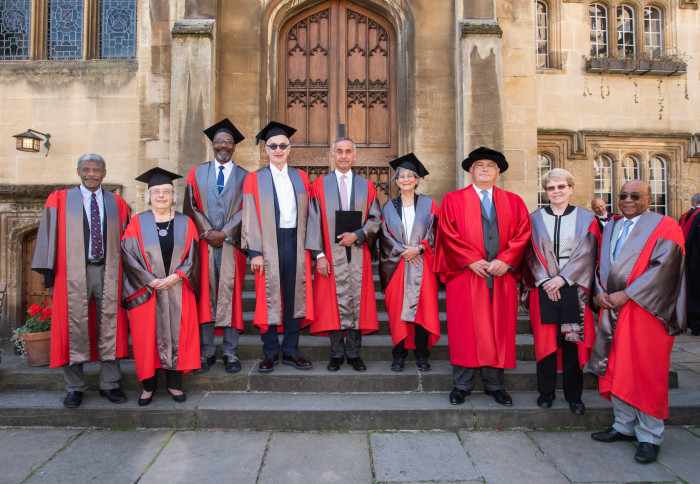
(357,364)
(297,361)
(501,397)
(145,401)
(268,364)
(545,400)
(73,400)
(611,435)
(232,363)
(177,398)
(114,395)
(577,408)
(334,364)
(646,453)
(423,364)
(207,362)
(398,363)
(457,396)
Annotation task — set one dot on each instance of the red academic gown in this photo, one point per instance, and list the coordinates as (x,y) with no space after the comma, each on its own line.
(326,317)
(481,331)
(638,345)
(60,250)
(204,305)
(158,341)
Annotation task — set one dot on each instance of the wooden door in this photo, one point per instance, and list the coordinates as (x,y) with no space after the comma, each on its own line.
(337,78)
(33,291)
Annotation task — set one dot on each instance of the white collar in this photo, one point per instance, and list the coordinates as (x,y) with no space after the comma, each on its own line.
(478,191)
(87,193)
(276,172)
(338,174)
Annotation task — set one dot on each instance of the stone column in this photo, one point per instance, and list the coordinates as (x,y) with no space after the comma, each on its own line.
(481,81)
(192,94)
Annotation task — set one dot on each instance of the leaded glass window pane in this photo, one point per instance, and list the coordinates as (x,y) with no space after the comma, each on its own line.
(653,38)
(15,20)
(602,173)
(542,34)
(118,29)
(66,29)
(598,15)
(657,182)
(630,168)
(625,31)
(544,164)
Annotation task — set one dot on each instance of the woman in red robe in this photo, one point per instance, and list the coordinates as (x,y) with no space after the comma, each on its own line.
(407,241)
(161,272)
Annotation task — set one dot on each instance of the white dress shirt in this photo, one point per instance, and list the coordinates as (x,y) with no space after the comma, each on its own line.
(481,195)
(407,217)
(622,226)
(87,203)
(348,185)
(228,169)
(286,197)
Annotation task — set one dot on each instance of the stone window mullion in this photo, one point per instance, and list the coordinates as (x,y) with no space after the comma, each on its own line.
(92,30)
(38,42)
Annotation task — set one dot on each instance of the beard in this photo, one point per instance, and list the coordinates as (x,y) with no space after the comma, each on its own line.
(223,157)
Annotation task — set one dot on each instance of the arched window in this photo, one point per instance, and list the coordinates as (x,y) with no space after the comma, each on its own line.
(544,164)
(657,182)
(630,168)
(625,31)
(118,29)
(542,34)
(602,176)
(653,32)
(598,15)
(15,20)
(66,19)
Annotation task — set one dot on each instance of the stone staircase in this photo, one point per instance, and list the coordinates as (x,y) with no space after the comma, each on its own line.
(290,399)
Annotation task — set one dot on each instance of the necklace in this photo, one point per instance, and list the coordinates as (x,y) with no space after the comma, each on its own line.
(164,232)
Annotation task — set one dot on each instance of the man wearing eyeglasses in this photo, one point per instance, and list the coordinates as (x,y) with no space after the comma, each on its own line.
(344,303)
(478,262)
(275,205)
(213,199)
(640,288)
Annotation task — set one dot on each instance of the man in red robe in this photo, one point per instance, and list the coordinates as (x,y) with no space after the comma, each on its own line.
(88,322)
(344,298)
(640,289)
(275,205)
(479,263)
(690,221)
(213,200)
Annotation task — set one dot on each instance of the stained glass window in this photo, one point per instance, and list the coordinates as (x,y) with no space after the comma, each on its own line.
(15,19)
(118,29)
(66,29)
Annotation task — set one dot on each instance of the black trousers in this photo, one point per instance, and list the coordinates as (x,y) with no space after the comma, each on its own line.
(287,255)
(421,340)
(173,380)
(572,376)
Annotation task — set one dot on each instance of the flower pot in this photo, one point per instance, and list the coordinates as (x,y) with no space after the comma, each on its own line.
(37,346)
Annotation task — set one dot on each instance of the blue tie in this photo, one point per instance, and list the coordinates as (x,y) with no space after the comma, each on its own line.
(220,180)
(486,203)
(622,239)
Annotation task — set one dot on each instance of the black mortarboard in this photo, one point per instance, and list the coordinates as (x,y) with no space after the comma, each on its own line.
(410,162)
(157,176)
(274,128)
(227,127)
(485,154)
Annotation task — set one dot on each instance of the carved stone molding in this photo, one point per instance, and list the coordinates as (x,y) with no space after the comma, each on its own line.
(193,28)
(480,28)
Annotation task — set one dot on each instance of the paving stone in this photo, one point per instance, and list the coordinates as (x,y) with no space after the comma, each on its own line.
(23,450)
(582,459)
(694,430)
(205,456)
(420,456)
(104,456)
(509,456)
(319,458)
(678,446)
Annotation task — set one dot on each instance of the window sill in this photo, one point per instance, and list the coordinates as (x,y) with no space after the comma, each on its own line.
(86,65)
(633,67)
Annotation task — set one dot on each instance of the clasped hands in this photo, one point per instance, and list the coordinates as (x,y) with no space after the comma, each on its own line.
(214,238)
(165,283)
(484,268)
(611,301)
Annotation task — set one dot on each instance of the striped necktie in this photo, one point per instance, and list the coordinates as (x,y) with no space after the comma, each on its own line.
(97,251)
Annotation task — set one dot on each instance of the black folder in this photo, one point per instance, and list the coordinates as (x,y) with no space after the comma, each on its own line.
(563,311)
(347,221)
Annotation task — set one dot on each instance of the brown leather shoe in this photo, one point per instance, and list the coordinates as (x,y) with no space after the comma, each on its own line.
(268,364)
(297,361)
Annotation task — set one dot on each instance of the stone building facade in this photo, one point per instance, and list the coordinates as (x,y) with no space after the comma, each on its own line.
(540,80)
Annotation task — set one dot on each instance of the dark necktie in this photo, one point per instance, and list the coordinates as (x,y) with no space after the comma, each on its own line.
(95,230)
(220,180)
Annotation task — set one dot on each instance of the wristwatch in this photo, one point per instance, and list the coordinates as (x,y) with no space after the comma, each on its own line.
(420,247)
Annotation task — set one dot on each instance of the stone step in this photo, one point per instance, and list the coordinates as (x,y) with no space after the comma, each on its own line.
(318,411)
(378,378)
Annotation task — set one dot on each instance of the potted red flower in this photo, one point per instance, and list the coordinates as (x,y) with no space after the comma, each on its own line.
(33,339)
